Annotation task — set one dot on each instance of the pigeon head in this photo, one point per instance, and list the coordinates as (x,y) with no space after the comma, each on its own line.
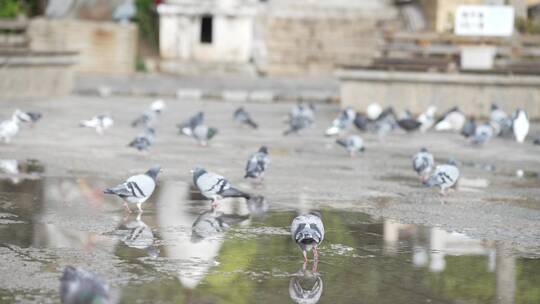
(69,274)
(153,172)
(150,131)
(197,171)
(423,149)
(263,149)
(452,162)
(494,107)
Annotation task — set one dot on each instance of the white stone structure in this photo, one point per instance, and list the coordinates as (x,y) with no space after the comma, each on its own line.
(207,31)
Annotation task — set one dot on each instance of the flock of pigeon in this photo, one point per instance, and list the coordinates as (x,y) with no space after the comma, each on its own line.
(307,230)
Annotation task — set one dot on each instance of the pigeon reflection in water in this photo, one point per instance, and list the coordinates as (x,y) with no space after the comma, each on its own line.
(140,236)
(310,295)
(211,223)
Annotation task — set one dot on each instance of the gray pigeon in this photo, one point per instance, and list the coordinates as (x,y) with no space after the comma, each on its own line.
(500,120)
(187,127)
(243,117)
(79,286)
(34,117)
(144,140)
(257,164)
(423,163)
(307,231)
(210,223)
(342,122)
(302,116)
(482,134)
(203,134)
(99,122)
(353,143)
(149,117)
(136,189)
(214,186)
(445,176)
(469,128)
(306,296)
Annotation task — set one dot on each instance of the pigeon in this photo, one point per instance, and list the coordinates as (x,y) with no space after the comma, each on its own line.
(210,223)
(537,142)
(482,134)
(307,231)
(469,128)
(361,121)
(149,117)
(136,189)
(9,128)
(214,186)
(296,124)
(386,122)
(520,125)
(342,122)
(373,111)
(409,124)
(353,143)
(144,140)
(302,116)
(257,163)
(427,119)
(79,286)
(423,163)
(34,117)
(99,122)
(445,176)
(501,122)
(203,134)
(452,120)
(124,12)
(299,295)
(243,117)
(187,127)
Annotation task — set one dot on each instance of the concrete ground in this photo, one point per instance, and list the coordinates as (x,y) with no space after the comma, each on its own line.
(307,170)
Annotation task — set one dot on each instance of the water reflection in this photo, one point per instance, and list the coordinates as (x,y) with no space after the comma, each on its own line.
(242,253)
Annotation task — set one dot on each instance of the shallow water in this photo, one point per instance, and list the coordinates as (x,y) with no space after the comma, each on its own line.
(179,252)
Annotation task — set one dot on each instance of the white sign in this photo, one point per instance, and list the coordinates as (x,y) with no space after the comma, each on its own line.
(484,20)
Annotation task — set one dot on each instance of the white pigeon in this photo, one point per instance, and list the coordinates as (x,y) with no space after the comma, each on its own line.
(520,125)
(445,176)
(373,111)
(214,186)
(10,127)
(307,230)
(136,189)
(99,122)
(427,119)
(454,120)
(423,163)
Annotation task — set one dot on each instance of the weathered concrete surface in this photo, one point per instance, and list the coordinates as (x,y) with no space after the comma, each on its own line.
(307,171)
(416,91)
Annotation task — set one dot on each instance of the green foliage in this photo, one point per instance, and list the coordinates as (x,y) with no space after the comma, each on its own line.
(10,8)
(528,26)
(147,20)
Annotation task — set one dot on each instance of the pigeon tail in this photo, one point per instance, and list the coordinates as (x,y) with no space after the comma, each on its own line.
(251,123)
(233,192)
(341,142)
(109,191)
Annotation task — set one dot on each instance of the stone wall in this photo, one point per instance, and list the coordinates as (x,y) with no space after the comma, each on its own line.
(415,91)
(104,47)
(307,37)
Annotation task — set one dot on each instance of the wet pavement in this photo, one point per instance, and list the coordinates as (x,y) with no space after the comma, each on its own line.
(178,251)
(389,240)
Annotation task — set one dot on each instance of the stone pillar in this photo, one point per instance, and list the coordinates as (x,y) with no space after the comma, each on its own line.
(520,6)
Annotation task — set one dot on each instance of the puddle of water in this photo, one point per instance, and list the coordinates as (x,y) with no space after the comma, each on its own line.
(178,251)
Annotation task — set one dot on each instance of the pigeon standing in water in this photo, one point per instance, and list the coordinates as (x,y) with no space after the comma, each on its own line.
(214,186)
(445,176)
(10,128)
(482,134)
(243,117)
(423,163)
(452,120)
(149,117)
(469,128)
(353,143)
(187,127)
(307,231)
(79,286)
(136,189)
(144,140)
(203,134)
(99,122)
(427,119)
(520,125)
(342,122)
(257,164)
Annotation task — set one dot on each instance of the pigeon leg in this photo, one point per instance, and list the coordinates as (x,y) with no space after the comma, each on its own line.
(315,253)
(315,266)
(139,207)
(126,206)
(214,204)
(305,256)
(304,266)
